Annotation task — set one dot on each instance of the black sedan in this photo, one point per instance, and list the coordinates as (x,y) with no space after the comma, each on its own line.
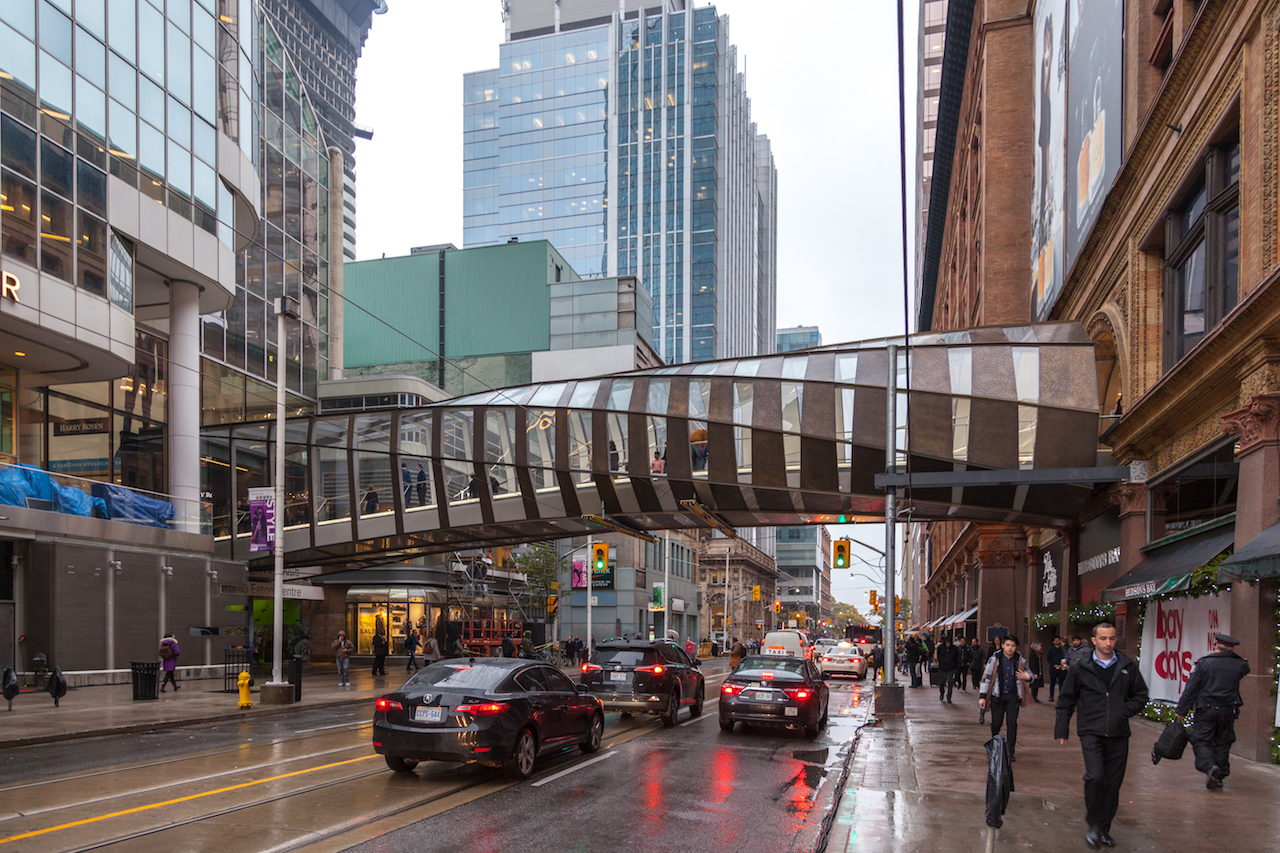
(772,690)
(502,712)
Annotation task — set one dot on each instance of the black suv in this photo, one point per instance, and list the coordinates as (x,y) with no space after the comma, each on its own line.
(645,677)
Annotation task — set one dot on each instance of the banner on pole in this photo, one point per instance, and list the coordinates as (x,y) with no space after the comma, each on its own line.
(1175,634)
(262,520)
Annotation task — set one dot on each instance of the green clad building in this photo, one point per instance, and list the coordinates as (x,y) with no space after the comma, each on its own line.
(490,317)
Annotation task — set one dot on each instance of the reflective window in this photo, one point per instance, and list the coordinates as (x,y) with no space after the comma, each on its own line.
(55,32)
(21,15)
(17,57)
(55,86)
(151,33)
(18,217)
(122,23)
(56,231)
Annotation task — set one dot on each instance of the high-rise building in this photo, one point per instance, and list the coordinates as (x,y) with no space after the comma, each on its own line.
(932,41)
(798,337)
(325,38)
(623,135)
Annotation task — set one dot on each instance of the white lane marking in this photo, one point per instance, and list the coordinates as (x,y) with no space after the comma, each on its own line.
(704,716)
(553,777)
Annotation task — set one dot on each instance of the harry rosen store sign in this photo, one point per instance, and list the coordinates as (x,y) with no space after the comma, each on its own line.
(1175,634)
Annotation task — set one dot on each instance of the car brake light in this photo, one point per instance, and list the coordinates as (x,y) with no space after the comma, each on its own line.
(799,693)
(388,704)
(826,660)
(656,669)
(486,709)
(731,689)
(590,667)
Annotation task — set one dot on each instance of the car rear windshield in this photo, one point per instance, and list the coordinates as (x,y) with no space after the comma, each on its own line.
(784,669)
(621,657)
(459,674)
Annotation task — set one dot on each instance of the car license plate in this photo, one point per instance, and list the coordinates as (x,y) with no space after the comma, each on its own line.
(762,695)
(423,714)
(791,712)
(617,676)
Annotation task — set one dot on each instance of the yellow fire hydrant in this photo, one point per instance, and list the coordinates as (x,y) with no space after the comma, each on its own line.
(243,683)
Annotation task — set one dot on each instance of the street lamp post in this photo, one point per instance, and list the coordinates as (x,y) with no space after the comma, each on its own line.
(286,307)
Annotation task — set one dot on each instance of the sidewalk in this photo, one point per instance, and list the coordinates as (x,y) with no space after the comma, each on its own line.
(918,784)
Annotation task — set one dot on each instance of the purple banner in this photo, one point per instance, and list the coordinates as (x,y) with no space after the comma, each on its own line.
(262,520)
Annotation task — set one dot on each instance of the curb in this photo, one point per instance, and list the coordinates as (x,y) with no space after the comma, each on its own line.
(134,728)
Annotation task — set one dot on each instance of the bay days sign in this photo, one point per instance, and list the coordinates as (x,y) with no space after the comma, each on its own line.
(1175,634)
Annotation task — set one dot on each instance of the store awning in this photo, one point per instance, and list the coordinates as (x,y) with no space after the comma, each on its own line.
(1259,558)
(959,619)
(1169,569)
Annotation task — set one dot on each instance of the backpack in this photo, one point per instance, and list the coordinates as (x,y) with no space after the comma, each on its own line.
(166,651)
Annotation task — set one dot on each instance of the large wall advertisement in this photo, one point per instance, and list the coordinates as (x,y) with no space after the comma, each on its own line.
(1047,210)
(1078,126)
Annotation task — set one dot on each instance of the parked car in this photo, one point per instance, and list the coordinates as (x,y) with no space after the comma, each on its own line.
(503,712)
(771,690)
(645,677)
(786,643)
(843,659)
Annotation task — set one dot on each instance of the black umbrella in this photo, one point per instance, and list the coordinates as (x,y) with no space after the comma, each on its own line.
(999,780)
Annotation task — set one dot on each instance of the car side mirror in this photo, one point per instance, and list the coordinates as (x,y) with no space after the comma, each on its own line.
(697,663)
(581,688)
(826,676)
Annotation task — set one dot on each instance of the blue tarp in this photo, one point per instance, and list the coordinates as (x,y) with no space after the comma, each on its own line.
(18,483)
(126,505)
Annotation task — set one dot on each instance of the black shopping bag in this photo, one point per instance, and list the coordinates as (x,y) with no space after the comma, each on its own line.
(1171,743)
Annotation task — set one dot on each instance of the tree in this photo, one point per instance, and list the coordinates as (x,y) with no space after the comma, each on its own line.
(846,614)
(542,565)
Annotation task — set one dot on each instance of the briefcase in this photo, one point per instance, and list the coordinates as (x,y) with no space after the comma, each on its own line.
(1171,743)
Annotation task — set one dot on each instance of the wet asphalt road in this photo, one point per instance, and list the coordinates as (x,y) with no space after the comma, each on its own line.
(310,781)
(690,788)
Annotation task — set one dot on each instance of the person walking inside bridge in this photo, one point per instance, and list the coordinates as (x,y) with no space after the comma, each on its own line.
(1106,690)
(1213,692)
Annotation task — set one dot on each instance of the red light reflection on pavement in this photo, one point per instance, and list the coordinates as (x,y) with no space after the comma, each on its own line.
(724,772)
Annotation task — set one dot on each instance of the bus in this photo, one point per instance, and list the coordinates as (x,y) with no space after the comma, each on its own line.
(865,636)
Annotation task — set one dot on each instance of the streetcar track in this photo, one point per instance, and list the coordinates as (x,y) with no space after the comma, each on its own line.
(120,768)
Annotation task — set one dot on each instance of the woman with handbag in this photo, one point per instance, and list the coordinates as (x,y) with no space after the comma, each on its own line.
(1002,690)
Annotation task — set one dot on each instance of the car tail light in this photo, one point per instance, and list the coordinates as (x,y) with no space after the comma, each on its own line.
(656,669)
(731,689)
(590,667)
(388,704)
(798,693)
(485,709)
(826,660)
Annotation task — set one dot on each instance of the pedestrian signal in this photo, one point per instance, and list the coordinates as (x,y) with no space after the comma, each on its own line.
(840,553)
(600,557)
(755,593)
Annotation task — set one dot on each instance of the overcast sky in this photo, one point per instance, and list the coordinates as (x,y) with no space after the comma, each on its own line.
(823,87)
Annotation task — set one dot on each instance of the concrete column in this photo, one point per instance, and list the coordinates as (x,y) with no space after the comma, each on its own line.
(184,403)
(997,590)
(1067,576)
(1131,498)
(1253,605)
(336,259)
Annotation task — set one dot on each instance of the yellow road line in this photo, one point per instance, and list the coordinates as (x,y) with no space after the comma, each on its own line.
(137,809)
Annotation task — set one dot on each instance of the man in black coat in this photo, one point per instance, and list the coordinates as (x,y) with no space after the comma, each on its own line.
(914,655)
(1056,658)
(380,647)
(948,663)
(1105,690)
(1213,692)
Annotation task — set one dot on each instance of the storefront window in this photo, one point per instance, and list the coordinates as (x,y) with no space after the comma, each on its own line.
(391,611)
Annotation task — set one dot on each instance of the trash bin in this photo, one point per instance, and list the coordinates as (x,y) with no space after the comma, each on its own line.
(145,674)
(295,677)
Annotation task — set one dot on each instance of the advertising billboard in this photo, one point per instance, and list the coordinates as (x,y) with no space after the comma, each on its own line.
(1049,187)
(1095,66)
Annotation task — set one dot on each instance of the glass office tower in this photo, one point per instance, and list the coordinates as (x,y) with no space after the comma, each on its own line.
(625,138)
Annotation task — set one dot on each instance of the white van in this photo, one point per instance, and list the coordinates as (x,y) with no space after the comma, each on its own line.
(786,644)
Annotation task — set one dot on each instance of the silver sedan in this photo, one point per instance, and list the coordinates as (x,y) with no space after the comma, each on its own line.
(843,659)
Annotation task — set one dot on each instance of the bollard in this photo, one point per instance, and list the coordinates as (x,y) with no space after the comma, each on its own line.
(295,677)
(243,683)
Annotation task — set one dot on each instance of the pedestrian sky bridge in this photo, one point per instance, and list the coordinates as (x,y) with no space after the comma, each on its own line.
(778,440)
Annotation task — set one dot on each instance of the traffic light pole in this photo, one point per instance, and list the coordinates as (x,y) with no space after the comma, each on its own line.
(888,634)
(591,578)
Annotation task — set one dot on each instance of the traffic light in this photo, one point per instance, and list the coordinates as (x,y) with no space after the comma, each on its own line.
(897,604)
(553,604)
(755,593)
(875,600)
(777,607)
(600,557)
(840,553)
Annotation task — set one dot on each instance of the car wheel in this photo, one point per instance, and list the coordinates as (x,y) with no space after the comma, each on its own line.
(673,711)
(401,765)
(726,725)
(520,764)
(698,699)
(594,734)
